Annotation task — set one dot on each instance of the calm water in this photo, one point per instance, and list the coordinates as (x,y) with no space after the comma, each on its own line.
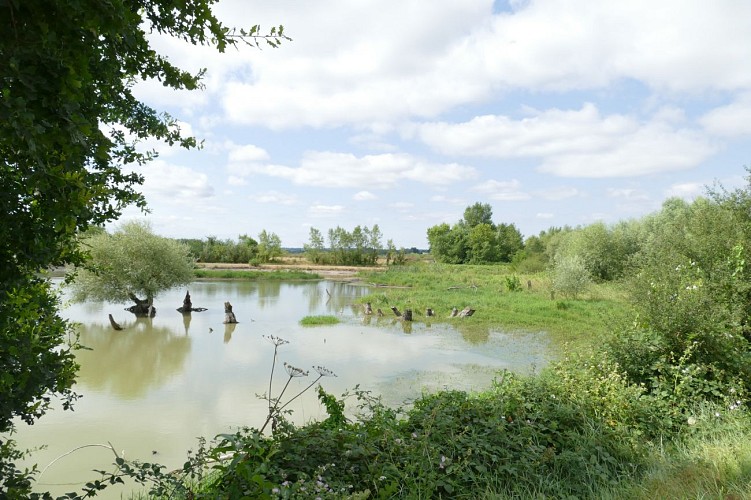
(156,386)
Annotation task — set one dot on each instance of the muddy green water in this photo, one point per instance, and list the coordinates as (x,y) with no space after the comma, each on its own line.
(152,389)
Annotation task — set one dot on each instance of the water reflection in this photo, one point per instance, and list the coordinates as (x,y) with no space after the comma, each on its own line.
(128,363)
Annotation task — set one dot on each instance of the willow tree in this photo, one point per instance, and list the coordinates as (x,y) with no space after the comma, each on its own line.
(67,119)
(131,263)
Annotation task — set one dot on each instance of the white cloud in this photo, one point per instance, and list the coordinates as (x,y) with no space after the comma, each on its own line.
(686,190)
(319,210)
(628,194)
(560,193)
(169,182)
(502,190)
(578,143)
(247,153)
(275,197)
(364,196)
(345,170)
(732,120)
(233,180)
(544,215)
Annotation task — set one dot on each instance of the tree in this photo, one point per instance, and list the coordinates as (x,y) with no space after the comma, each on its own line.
(479,213)
(570,276)
(314,250)
(133,262)
(269,246)
(68,123)
(483,245)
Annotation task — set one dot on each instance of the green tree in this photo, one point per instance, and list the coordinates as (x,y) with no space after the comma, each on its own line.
(570,276)
(67,122)
(269,246)
(315,248)
(482,244)
(479,213)
(132,262)
(509,240)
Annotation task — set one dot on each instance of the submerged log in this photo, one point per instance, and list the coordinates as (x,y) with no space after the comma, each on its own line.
(229,316)
(114,323)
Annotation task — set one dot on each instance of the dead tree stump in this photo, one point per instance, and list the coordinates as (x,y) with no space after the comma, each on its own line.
(142,307)
(396,311)
(368,308)
(229,316)
(429,312)
(407,316)
(379,312)
(466,312)
(187,306)
(454,312)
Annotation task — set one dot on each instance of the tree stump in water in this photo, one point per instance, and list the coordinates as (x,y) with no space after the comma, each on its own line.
(379,312)
(429,312)
(142,307)
(187,306)
(368,308)
(454,312)
(396,311)
(407,316)
(229,316)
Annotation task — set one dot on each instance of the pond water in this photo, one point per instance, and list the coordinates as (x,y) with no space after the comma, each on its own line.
(152,389)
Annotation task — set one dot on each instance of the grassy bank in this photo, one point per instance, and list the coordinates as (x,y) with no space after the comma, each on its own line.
(529,307)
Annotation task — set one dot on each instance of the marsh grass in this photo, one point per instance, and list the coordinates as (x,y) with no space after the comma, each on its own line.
(484,288)
(319,320)
(236,274)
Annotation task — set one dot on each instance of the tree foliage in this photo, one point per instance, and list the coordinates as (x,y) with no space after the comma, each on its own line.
(269,246)
(475,239)
(68,126)
(359,247)
(132,261)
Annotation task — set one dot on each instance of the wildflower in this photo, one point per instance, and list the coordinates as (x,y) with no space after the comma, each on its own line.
(382,478)
(294,371)
(717,414)
(691,421)
(275,490)
(277,341)
(324,372)
(398,441)
(414,435)
(442,464)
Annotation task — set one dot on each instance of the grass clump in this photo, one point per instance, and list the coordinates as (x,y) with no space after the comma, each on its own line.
(319,320)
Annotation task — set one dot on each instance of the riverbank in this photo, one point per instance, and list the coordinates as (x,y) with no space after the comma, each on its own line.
(336,273)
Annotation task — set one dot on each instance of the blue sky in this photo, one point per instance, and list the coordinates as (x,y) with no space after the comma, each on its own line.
(403,113)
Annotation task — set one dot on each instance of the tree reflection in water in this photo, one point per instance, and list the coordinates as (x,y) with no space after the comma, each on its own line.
(130,362)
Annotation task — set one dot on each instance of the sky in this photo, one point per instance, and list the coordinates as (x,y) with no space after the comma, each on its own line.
(403,113)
